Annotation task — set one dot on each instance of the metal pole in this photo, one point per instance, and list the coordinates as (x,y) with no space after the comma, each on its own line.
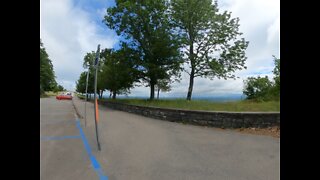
(85,103)
(95,94)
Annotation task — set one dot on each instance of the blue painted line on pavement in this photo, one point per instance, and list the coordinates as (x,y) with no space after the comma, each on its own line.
(93,160)
(47,138)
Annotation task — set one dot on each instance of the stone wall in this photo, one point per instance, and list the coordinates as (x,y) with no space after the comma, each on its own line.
(206,118)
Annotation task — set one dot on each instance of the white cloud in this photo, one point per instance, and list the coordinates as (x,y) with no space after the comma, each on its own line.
(273,31)
(68,34)
(101,12)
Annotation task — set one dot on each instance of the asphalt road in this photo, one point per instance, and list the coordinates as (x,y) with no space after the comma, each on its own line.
(134,147)
(62,152)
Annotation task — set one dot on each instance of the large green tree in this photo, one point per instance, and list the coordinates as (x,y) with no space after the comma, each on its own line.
(88,64)
(119,71)
(47,76)
(146,27)
(211,40)
(81,83)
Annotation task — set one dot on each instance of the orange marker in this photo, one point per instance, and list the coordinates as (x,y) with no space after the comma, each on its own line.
(97,111)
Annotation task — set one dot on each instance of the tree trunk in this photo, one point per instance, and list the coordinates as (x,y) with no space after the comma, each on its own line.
(100,94)
(114,95)
(158,93)
(151,91)
(190,85)
(192,73)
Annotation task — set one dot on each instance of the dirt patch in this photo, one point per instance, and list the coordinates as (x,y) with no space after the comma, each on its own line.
(270,131)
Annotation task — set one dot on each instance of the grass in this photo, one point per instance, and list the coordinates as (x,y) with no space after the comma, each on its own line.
(81,96)
(48,94)
(43,95)
(51,93)
(236,106)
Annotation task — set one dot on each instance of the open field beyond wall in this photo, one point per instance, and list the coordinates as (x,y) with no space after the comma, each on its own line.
(236,106)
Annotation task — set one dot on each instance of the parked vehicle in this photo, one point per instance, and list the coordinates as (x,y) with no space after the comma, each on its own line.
(64,96)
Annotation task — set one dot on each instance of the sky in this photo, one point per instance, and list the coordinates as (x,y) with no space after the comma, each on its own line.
(71,28)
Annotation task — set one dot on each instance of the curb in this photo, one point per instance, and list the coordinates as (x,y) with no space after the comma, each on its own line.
(77,112)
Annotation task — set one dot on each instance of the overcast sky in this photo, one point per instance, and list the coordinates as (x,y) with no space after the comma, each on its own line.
(71,28)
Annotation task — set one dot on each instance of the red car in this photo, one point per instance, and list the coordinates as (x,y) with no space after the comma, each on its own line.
(66,96)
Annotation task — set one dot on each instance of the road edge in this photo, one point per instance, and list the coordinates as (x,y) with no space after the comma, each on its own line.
(77,112)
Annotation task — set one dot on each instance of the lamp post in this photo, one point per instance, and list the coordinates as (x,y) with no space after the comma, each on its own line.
(96,116)
(85,103)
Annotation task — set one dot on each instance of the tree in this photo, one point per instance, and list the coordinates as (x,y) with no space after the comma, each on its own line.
(61,88)
(209,39)
(262,89)
(146,28)
(118,71)
(81,83)
(276,72)
(58,88)
(88,60)
(47,77)
(258,88)
(88,63)
(163,85)
(101,84)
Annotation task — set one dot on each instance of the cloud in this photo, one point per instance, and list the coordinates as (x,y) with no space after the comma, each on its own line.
(101,12)
(68,33)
